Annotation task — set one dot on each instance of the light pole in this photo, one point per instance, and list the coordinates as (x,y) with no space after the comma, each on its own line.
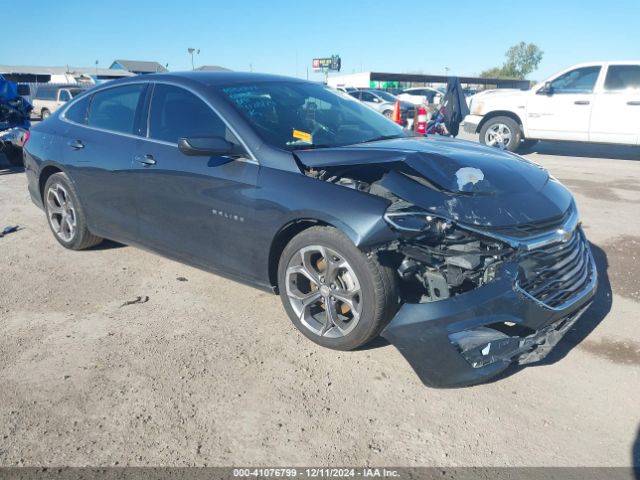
(191,52)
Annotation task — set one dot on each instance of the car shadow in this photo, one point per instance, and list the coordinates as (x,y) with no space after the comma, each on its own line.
(106,245)
(596,313)
(589,150)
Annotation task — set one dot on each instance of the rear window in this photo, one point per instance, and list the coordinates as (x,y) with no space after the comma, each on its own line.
(623,77)
(77,112)
(115,108)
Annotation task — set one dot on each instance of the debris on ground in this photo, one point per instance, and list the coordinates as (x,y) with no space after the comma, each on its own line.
(139,299)
(9,229)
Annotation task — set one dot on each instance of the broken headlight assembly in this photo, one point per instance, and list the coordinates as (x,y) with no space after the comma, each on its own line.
(438,259)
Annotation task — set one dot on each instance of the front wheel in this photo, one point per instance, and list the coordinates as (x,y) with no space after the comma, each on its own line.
(336,295)
(65,214)
(501,132)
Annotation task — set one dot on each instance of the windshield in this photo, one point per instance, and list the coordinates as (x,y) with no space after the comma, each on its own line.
(293,115)
(386,96)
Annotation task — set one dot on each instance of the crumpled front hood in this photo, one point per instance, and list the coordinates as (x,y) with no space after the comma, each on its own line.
(465,181)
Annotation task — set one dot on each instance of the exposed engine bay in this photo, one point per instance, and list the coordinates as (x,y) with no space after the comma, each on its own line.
(434,257)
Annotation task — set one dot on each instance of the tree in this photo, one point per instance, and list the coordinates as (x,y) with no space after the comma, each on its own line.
(522,59)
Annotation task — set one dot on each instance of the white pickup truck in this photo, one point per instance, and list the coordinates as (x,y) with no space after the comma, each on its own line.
(591,102)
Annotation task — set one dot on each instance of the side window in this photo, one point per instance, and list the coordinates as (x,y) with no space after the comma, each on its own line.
(176,113)
(367,97)
(77,112)
(622,77)
(64,96)
(115,108)
(580,80)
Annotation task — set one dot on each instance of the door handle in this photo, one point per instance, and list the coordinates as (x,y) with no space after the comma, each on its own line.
(634,103)
(582,102)
(76,144)
(146,160)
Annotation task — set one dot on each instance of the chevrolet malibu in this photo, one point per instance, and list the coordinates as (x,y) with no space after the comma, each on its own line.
(464,257)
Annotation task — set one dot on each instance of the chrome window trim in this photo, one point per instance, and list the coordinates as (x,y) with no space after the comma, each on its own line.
(151,83)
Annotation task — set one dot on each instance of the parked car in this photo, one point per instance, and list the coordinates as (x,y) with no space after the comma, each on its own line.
(384,103)
(49,98)
(14,121)
(590,102)
(466,258)
(422,95)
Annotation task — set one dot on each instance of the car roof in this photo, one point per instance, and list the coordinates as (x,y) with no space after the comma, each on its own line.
(214,78)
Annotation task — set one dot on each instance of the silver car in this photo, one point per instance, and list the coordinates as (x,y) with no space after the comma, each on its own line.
(384,102)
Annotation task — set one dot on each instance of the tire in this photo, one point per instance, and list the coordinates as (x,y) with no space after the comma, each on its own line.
(388,113)
(14,156)
(44,114)
(64,211)
(372,307)
(501,132)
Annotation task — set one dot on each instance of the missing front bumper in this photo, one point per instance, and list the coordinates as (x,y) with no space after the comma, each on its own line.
(435,337)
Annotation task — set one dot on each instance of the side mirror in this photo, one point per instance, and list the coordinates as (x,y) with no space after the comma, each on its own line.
(209,147)
(547,89)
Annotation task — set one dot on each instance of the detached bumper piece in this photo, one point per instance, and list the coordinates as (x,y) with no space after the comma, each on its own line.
(517,318)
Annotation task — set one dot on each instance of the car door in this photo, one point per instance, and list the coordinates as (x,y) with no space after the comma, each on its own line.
(616,110)
(100,140)
(563,112)
(194,208)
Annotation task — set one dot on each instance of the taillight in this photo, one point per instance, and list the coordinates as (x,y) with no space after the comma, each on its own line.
(25,138)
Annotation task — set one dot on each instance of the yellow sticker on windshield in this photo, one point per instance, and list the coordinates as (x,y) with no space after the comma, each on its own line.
(304,136)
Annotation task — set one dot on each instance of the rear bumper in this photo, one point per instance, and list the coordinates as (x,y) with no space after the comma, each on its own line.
(430,335)
(471,123)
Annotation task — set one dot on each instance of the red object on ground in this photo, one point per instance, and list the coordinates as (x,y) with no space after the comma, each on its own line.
(421,121)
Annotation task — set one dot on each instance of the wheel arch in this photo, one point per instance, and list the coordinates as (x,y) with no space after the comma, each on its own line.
(285,235)
(45,173)
(500,113)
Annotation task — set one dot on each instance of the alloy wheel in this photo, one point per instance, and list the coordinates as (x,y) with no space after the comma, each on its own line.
(498,135)
(61,212)
(324,291)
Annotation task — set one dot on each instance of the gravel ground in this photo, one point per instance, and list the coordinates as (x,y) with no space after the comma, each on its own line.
(201,370)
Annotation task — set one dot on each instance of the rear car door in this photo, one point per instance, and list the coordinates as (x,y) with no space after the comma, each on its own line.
(194,208)
(565,112)
(99,143)
(616,109)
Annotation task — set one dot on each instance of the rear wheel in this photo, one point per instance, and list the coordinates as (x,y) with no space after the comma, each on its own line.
(501,132)
(335,294)
(44,114)
(65,214)
(388,113)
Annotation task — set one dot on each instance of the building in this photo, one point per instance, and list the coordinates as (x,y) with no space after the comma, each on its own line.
(138,67)
(406,80)
(37,75)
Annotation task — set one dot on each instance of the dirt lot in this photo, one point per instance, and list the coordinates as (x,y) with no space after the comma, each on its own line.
(208,371)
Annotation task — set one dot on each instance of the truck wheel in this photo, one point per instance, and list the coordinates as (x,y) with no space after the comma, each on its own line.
(44,114)
(501,132)
(335,294)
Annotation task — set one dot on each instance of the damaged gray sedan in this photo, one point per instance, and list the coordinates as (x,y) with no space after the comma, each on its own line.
(466,258)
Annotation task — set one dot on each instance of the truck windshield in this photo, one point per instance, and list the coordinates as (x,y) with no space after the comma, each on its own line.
(297,115)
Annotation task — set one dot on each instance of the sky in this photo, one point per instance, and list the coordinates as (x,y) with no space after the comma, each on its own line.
(283,36)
